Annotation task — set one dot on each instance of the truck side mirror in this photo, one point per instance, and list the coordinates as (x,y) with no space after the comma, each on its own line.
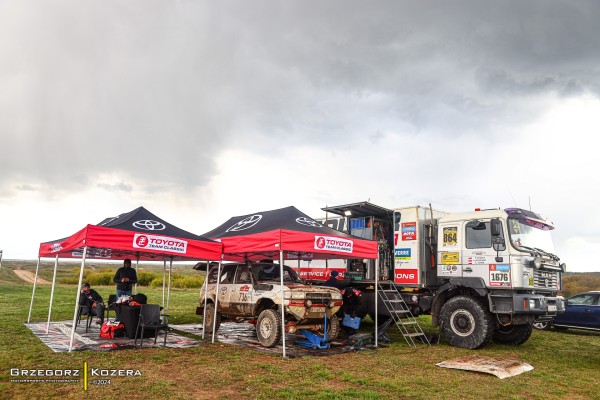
(496,227)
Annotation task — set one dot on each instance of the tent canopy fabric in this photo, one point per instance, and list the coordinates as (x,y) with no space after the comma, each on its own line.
(264,234)
(138,232)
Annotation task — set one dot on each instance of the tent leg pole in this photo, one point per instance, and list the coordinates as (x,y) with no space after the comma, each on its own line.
(77,300)
(376,300)
(216,302)
(34,285)
(169,285)
(282,301)
(0,259)
(164,280)
(52,294)
(205,299)
(137,261)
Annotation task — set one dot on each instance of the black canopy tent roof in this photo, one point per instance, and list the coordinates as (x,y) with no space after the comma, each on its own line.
(276,234)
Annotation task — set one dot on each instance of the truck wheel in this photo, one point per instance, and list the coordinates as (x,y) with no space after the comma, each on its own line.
(333,328)
(210,314)
(268,327)
(466,323)
(513,334)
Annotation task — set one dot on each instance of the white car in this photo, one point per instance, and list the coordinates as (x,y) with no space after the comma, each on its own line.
(253,293)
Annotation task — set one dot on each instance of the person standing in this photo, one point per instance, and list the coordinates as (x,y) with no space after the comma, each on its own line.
(125,278)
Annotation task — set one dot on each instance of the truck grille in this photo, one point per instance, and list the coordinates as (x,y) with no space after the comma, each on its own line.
(318,298)
(545,279)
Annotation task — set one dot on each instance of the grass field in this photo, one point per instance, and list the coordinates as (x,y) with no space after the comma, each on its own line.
(566,365)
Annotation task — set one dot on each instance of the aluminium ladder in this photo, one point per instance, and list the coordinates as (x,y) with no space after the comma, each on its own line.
(401,314)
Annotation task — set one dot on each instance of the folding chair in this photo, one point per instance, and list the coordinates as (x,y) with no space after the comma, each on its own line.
(112,305)
(150,318)
(84,310)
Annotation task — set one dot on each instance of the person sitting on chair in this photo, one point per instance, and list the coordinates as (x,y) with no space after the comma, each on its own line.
(93,301)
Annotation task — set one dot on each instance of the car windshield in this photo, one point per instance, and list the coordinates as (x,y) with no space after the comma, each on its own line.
(270,272)
(530,233)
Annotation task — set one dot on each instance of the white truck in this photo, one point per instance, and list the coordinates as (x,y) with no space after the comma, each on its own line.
(483,275)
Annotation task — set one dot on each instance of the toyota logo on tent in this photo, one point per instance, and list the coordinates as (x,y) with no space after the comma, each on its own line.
(308,222)
(149,225)
(246,223)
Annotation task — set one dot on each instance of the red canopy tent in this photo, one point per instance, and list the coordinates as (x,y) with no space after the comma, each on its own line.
(139,234)
(285,234)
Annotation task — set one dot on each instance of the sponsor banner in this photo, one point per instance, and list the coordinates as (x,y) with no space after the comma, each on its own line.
(294,255)
(409,231)
(93,253)
(162,243)
(477,260)
(320,273)
(333,244)
(450,258)
(402,254)
(499,275)
(406,276)
(55,248)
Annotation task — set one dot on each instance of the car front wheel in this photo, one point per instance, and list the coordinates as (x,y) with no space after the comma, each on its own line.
(268,327)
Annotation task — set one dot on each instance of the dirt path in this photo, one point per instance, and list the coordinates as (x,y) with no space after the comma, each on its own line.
(29,276)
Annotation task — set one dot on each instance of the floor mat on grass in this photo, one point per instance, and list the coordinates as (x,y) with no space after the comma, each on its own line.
(59,336)
(244,334)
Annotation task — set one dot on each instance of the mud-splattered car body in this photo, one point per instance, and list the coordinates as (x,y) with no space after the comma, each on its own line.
(253,293)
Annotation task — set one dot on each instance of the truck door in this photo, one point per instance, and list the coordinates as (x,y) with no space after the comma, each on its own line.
(449,244)
(479,257)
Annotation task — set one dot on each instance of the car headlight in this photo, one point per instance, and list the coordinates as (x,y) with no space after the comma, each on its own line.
(336,295)
(298,295)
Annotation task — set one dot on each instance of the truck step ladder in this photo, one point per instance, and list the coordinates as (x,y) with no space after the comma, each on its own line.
(401,314)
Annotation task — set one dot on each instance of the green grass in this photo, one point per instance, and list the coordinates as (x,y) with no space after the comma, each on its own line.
(566,364)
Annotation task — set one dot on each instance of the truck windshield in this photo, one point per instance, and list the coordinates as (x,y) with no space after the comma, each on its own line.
(525,233)
(270,272)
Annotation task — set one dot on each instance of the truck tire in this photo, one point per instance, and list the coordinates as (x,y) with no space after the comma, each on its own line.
(268,327)
(466,323)
(514,335)
(210,314)
(333,328)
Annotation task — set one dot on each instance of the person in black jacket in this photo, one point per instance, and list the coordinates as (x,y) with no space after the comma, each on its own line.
(93,301)
(125,278)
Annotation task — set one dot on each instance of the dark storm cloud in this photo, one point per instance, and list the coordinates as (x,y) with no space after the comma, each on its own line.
(152,91)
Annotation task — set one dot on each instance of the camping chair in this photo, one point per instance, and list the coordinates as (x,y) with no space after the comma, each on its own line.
(84,310)
(112,305)
(150,318)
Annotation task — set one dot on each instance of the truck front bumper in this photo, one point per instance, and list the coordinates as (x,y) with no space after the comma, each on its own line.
(538,304)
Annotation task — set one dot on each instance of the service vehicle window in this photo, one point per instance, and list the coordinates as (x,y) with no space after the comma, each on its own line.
(242,274)
(212,276)
(479,235)
(227,274)
(270,272)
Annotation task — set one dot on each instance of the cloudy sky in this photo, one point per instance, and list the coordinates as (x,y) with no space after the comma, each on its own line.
(200,110)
